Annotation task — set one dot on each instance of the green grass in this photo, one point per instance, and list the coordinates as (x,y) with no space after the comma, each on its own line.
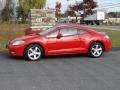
(10,31)
(3,45)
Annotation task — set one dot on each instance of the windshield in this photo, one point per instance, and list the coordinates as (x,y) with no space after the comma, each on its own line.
(46,31)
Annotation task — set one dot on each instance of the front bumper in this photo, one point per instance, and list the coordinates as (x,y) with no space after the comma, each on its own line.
(15,50)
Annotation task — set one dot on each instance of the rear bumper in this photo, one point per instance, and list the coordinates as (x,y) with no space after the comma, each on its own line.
(108,45)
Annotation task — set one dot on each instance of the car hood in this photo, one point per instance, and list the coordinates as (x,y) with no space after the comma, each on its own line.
(26,37)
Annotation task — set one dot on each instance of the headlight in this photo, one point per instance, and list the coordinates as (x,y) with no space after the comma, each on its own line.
(18,42)
(106,36)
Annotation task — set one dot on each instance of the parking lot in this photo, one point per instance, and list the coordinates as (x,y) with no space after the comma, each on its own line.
(68,72)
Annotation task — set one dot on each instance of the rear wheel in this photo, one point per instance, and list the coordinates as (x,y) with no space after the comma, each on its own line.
(33,52)
(96,50)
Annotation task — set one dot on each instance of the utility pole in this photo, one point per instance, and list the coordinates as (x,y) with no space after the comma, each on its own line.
(116,17)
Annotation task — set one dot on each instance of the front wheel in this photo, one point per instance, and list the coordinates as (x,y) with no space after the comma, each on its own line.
(33,52)
(96,50)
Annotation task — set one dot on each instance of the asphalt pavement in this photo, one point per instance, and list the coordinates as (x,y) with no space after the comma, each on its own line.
(68,72)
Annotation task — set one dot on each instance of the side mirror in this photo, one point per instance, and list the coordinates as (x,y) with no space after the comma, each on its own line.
(59,36)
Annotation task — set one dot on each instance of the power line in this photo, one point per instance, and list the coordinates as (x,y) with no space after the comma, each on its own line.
(112,6)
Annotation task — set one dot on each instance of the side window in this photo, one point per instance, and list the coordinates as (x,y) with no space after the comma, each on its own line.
(82,31)
(68,31)
(53,34)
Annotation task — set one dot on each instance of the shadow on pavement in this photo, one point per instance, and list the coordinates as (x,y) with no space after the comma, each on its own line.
(5,55)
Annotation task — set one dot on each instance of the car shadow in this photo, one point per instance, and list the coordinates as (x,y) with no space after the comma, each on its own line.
(5,55)
(66,56)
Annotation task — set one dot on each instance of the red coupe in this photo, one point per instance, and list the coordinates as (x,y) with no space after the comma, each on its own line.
(58,40)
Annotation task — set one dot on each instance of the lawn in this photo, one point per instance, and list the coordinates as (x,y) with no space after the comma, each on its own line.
(10,31)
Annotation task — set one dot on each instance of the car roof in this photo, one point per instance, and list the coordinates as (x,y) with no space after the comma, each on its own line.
(76,26)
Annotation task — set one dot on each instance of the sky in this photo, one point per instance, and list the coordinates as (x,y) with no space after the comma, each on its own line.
(101,3)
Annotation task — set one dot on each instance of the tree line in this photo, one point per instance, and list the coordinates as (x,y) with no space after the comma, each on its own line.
(22,10)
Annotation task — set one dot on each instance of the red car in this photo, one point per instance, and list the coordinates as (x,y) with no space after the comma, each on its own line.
(64,39)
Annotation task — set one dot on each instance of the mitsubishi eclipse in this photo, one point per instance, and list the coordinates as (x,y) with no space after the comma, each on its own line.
(59,40)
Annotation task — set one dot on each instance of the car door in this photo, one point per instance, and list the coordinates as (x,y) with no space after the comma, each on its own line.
(52,45)
(84,37)
(69,41)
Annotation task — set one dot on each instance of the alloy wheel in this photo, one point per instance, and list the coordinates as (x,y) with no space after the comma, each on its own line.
(96,50)
(33,52)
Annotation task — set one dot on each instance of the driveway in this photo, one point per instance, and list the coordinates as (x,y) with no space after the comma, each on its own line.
(68,72)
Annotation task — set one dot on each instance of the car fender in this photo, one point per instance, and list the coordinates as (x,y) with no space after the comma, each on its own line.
(39,42)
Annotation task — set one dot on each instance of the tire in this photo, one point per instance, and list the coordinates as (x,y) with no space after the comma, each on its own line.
(33,52)
(96,50)
(92,22)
